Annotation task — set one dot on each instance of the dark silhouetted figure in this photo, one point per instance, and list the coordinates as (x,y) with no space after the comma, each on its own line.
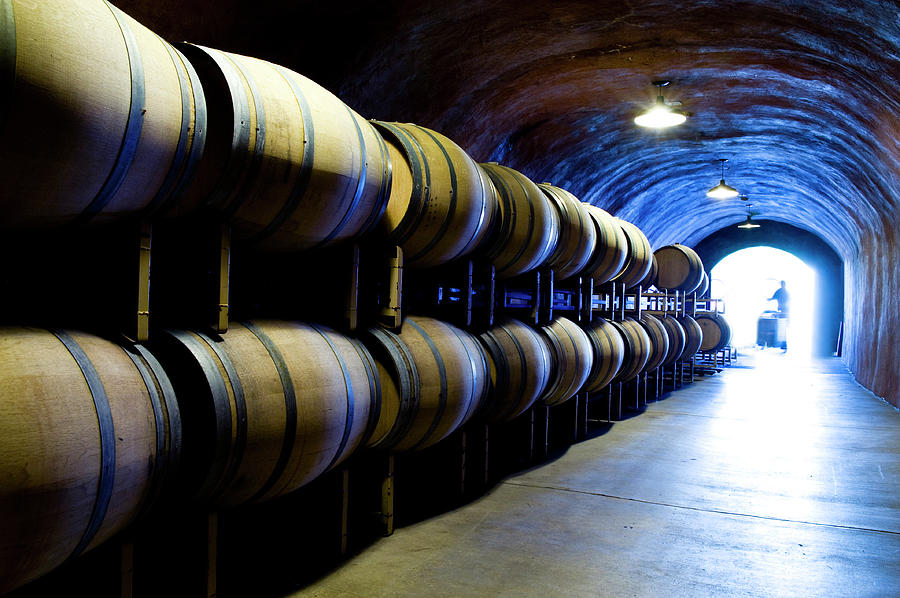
(784,299)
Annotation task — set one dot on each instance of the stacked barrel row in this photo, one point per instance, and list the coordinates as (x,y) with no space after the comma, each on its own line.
(264,409)
(103,121)
(95,431)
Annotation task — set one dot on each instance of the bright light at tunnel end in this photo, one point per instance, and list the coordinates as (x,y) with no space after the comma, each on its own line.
(747,279)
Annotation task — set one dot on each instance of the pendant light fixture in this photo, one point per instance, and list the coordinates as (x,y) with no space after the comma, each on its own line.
(722,191)
(661,115)
(748,223)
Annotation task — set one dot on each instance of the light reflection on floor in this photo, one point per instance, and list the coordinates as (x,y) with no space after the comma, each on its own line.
(771,430)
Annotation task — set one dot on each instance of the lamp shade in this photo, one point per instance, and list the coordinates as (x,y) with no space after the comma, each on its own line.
(748,224)
(722,191)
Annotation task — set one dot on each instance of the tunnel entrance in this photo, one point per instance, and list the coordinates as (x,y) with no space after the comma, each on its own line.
(747,279)
(828,294)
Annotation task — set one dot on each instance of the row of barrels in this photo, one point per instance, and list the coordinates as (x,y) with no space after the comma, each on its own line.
(102,120)
(94,431)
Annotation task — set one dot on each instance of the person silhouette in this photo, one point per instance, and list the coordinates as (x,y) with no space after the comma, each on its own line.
(784,299)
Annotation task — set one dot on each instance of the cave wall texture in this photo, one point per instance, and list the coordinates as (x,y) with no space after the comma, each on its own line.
(800,96)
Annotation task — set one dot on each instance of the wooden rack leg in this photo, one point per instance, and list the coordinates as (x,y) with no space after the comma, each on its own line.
(586,287)
(142,323)
(127,568)
(571,407)
(466,304)
(587,411)
(530,429)
(351,313)
(223,278)
(545,428)
(486,479)
(461,464)
(345,508)
(545,295)
(212,545)
(387,497)
(615,410)
(607,404)
(391,314)
(492,293)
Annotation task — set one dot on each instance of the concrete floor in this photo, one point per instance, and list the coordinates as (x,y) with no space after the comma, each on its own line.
(774,478)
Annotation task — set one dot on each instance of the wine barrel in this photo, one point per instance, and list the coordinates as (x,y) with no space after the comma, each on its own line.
(680,268)
(519,364)
(716,331)
(434,378)
(527,228)
(704,285)
(441,204)
(571,359)
(650,279)
(677,339)
(639,257)
(577,233)
(637,349)
(287,163)
(659,341)
(609,354)
(100,118)
(610,250)
(268,406)
(693,335)
(91,435)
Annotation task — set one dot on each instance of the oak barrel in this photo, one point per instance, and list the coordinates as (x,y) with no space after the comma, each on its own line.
(577,233)
(519,364)
(716,331)
(677,339)
(527,225)
(434,378)
(637,349)
(693,336)
(704,285)
(100,118)
(659,341)
(268,406)
(571,359)
(441,204)
(639,256)
(680,268)
(287,163)
(650,279)
(609,353)
(610,249)
(90,437)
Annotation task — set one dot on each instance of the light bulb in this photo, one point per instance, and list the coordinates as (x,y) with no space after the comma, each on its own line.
(660,116)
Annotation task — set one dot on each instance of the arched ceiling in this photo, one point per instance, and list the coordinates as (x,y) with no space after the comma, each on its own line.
(800,96)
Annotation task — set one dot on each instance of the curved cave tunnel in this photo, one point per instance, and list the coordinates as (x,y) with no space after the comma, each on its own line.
(800,98)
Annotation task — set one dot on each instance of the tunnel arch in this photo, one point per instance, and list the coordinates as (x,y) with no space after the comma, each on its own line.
(806,246)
